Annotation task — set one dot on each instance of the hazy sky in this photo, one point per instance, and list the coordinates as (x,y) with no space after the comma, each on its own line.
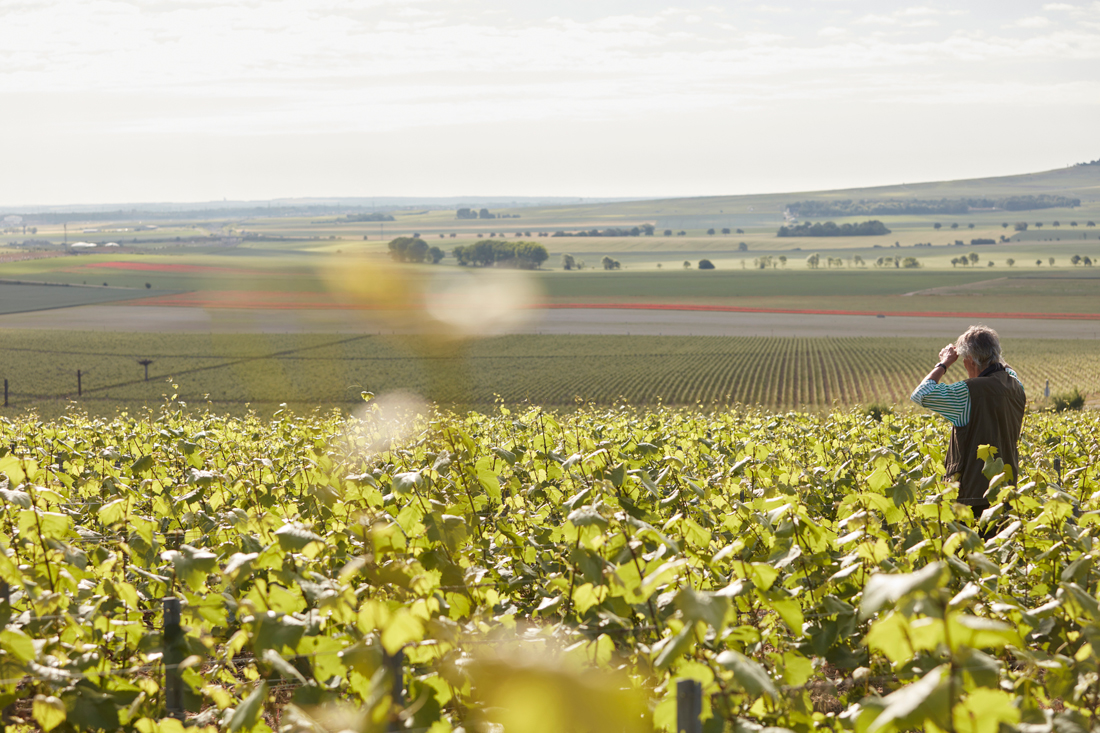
(188,100)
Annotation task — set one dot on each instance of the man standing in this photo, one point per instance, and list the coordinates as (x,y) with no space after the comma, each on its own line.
(985,409)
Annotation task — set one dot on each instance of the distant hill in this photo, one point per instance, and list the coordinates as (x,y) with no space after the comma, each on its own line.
(1077,182)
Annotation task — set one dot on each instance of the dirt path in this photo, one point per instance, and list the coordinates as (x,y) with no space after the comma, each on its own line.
(160,319)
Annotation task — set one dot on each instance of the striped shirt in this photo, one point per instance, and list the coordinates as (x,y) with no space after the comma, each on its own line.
(951,401)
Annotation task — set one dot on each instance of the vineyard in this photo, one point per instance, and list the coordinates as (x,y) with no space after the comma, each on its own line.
(541,572)
(231,371)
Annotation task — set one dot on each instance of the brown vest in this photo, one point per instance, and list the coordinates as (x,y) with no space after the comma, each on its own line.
(996,415)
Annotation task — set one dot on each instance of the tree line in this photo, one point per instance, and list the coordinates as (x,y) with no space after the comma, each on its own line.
(644,229)
(414,249)
(887,207)
(832,229)
(487,252)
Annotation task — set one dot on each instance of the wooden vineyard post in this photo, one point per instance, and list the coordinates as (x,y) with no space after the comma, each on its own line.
(173,656)
(79,386)
(5,393)
(689,706)
(394,667)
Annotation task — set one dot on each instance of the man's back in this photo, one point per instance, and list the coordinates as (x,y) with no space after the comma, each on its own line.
(997,402)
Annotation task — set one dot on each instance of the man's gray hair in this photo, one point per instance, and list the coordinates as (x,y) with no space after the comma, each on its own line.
(981,344)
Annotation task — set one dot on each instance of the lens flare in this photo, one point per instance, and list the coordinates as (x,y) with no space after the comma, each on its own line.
(481,303)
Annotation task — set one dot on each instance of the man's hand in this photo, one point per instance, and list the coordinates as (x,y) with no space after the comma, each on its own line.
(948,355)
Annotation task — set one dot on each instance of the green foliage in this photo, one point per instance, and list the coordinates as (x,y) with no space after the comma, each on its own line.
(795,565)
(1068,401)
(831,229)
(486,252)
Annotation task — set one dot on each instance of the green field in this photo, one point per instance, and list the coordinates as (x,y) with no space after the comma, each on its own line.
(237,372)
(18,297)
(528,572)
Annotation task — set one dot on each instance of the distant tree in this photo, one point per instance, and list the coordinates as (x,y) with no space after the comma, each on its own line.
(668,232)
(568,262)
(609,264)
(1010,262)
(408,249)
(1038,263)
(466,213)
(1038,225)
(954,261)
(910,262)
(527,234)
(1056,223)
(435,254)
(740,231)
(658,265)
(1086,261)
(148,286)
(681,233)
(990,263)
(687,265)
(955,225)
(1073,223)
(973,258)
(453,235)
(648,229)
(783,260)
(1004,225)
(971,225)
(813,261)
(520,234)
(742,247)
(1075,260)
(762,262)
(725,230)
(479,235)
(1090,224)
(1051,261)
(710,231)
(937,225)
(484,214)
(441,236)
(706,265)
(1021,226)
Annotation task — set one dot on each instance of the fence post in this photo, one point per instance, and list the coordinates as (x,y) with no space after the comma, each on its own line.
(394,667)
(173,656)
(689,706)
(79,387)
(5,393)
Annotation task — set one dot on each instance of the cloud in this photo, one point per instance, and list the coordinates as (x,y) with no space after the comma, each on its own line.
(1035,21)
(1059,6)
(831,32)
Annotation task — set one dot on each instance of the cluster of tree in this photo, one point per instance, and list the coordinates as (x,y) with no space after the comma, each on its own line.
(374,216)
(610,264)
(725,230)
(897,261)
(886,207)
(763,262)
(646,229)
(706,265)
(983,241)
(569,262)
(1079,260)
(414,249)
(468,213)
(831,229)
(487,252)
(971,259)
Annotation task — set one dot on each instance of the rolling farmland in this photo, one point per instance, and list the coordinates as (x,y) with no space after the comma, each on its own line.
(232,371)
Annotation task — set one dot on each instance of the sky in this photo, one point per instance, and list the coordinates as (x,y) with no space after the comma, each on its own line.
(133,101)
